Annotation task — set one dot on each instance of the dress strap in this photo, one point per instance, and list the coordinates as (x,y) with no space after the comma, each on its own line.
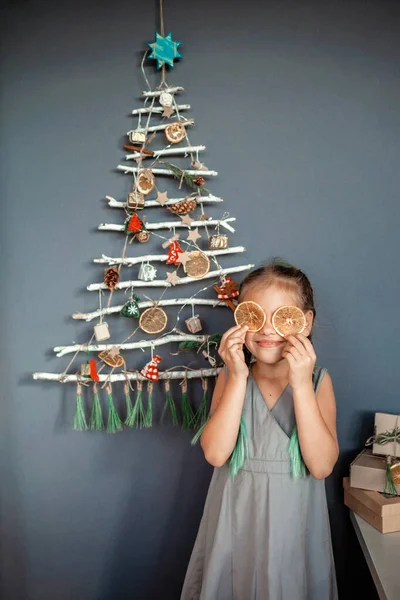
(317,376)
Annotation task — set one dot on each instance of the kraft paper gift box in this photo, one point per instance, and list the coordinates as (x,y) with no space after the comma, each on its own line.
(381,512)
(368,472)
(385,426)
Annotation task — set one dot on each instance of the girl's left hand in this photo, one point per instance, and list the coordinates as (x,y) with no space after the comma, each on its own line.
(301,357)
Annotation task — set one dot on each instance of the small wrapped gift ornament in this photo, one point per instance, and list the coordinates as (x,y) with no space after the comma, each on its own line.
(194,324)
(147,272)
(85,370)
(135,200)
(101,332)
(219,241)
(137,136)
(386,439)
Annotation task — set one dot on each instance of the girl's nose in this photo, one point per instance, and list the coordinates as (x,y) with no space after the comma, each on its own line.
(267,328)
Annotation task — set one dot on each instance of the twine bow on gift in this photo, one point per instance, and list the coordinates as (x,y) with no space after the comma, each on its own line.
(392,471)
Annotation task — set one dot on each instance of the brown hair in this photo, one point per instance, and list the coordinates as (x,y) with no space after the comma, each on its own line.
(282,273)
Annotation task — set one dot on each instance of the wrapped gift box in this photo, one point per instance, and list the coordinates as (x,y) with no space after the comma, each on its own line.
(368,472)
(381,512)
(386,424)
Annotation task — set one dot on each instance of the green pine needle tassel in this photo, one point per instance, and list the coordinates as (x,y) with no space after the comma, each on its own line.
(114,423)
(148,417)
(298,468)
(79,417)
(239,453)
(390,487)
(134,414)
(169,405)
(96,422)
(188,420)
(201,416)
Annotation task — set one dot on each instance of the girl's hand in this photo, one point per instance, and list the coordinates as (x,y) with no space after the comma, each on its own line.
(301,357)
(231,351)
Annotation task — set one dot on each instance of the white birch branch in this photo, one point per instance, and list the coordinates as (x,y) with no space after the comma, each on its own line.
(168,339)
(170,90)
(167,151)
(134,260)
(123,285)
(127,169)
(150,203)
(164,125)
(172,224)
(158,109)
(147,304)
(195,374)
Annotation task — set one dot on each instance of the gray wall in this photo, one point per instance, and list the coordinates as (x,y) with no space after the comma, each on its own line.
(298,105)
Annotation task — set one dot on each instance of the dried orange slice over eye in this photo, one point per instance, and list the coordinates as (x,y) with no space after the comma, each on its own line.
(288,320)
(251,314)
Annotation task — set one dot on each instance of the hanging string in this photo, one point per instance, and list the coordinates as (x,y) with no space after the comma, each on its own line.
(163,82)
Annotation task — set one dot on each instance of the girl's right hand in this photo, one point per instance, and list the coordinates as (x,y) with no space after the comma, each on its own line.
(231,351)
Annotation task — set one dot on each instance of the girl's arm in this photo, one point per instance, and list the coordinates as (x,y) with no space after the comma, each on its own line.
(315,414)
(220,433)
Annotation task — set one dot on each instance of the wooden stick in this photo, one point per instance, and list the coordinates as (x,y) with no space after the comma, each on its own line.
(158,109)
(123,285)
(153,203)
(147,304)
(173,224)
(168,151)
(170,90)
(161,127)
(168,339)
(157,171)
(134,260)
(138,150)
(187,374)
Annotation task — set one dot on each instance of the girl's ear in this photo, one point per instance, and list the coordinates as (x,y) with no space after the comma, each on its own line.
(309,320)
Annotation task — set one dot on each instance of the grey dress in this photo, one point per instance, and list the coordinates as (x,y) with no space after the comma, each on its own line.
(264,535)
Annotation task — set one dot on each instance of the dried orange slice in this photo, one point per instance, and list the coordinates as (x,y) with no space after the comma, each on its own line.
(197,265)
(251,314)
(153,320)
(396,473)
(288,320)
(145,181)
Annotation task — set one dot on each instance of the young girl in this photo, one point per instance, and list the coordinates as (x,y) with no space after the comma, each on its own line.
(265,534)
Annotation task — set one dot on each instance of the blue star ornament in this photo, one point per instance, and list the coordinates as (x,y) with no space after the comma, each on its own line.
(165,50)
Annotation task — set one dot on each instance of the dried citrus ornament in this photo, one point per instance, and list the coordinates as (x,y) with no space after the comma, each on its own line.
(288,320)
(251,314)
(153,320)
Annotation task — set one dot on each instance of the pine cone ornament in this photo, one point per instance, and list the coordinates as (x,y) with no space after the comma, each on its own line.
(199,180)
(111,277)
(150,371)
(183,207)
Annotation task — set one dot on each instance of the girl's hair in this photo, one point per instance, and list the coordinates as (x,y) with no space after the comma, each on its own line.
(289,277)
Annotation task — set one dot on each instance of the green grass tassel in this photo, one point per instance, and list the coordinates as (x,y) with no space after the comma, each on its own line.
(148,417)
(240,451)
(188,420)
(114,423)
(297,466)
(134,414)
(169,405)
(96,422)
(201,416)
(79,417)
(390,487)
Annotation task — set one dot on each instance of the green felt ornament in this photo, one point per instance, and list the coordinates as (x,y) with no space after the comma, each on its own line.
(114,423)
(79,417)
(96,422)
(131,308)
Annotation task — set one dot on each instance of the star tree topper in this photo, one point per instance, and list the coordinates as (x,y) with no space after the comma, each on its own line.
(165,50)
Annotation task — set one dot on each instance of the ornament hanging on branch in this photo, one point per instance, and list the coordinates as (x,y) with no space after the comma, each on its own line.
(101,332)
(173,278)
(175,132)
(173,253)
(187,178)
(133,224)
(194,324)
(197,265)
(145,181)
(218,241)
(131,308)
(166,99)
(153,320)
(111,277)
(135,200)
(137,136)
(147,272)
(165,50)
(112,358)
(143,236)
(183,207)
(228,291)
(150,370)
(199,180)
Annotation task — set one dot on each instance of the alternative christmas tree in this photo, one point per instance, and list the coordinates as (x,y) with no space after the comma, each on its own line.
(156,229)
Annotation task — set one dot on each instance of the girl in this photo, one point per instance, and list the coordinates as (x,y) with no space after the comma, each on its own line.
(264,534)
